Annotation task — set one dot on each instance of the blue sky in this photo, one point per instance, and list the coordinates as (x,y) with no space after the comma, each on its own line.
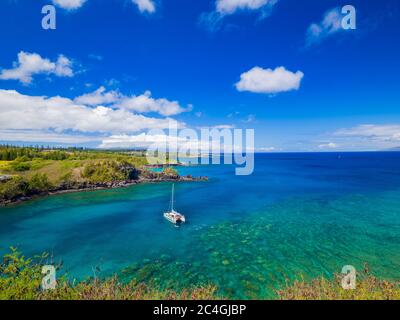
(121,67)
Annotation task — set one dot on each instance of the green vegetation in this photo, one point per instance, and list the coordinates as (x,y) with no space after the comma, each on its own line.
(30,171)
(368,288)
(39,183)
(13,188)
(170,173)
(18,186)
(20,279)
(109,171)
(37,170)
(11,153)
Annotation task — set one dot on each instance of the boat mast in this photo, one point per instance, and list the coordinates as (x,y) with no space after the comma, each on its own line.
(172,197)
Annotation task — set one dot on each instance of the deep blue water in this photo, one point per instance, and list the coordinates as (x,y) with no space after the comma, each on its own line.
(297,214)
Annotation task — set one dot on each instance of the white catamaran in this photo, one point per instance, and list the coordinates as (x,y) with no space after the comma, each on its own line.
(173,216)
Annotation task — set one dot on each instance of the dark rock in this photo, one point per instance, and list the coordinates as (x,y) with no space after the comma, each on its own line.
(5,178)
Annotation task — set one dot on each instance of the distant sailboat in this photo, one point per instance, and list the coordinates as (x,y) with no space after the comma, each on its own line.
(174,216)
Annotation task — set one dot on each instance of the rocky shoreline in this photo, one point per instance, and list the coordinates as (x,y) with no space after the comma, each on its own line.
(86,187)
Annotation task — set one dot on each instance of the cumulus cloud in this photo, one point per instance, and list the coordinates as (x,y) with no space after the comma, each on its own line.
(226,7)
(48,136)
(143,103)
(330,24)
(69,4)
(259,80)
(100,96)
(30,64)
(146,103)
(145,5)
(213,20)
(180,143)
(23,112)
(142,140)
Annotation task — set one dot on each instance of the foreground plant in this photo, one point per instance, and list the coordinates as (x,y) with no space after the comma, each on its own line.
(20,279)
(368,287)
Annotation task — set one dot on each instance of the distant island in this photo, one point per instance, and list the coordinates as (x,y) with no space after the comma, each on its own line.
(28,172)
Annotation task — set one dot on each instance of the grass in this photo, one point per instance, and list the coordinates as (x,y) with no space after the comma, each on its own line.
(33,168)
(54,169)
(67,172)
(368,287)
(20,279)
(4,165)
(57,170)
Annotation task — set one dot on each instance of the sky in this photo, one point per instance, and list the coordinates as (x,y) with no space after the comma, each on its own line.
(112,70)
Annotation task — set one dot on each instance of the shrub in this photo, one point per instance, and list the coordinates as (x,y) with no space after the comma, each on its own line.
(13,188)
(22,159)
(39,183)
(368,287)
(109,171)
(20,279)
(21,166)
(171,173)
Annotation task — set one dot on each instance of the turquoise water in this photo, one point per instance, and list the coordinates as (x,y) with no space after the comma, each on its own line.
(298,214)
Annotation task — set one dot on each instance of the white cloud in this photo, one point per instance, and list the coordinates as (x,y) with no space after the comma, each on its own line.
(37,136)
(364,137)
(30,64)
(145,103)
(330,24)
(98,97)
(231,6)
(145,5)
(167,142)
(142,140)
(265,149)
(259,80)
(141,104)
(69,4)
(218,127)
(388,133)
(23,112)
(63,67)
(329,145)
(213,20)
(224,126)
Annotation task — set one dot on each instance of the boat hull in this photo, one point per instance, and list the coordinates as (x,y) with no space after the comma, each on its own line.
(175,217)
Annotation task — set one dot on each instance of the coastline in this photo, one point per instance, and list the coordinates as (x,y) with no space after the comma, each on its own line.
(87,187)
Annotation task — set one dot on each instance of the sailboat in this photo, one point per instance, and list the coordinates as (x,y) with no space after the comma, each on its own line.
(174,216)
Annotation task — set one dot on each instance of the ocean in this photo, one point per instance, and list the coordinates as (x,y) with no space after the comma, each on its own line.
(298,215)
